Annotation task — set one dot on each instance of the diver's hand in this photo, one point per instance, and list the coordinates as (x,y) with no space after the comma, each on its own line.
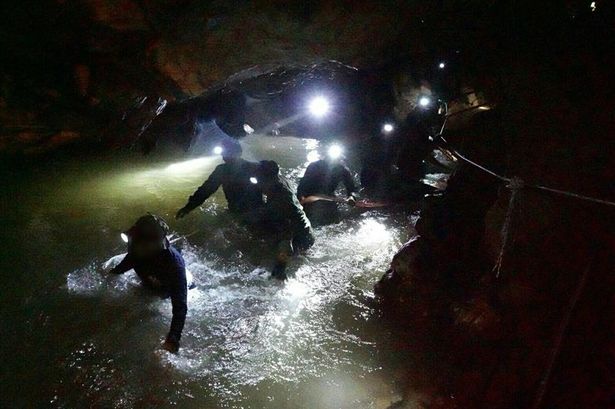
(170,345)
(182,212)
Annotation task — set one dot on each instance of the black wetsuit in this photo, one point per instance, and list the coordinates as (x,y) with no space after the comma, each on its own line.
(413,144)
(286,216)
(165,271)
(242,195)
(322,178)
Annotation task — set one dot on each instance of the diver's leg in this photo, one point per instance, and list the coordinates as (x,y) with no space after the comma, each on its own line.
(284,251)
(302,242)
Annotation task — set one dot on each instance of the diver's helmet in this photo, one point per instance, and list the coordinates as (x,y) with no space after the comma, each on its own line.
(147,236)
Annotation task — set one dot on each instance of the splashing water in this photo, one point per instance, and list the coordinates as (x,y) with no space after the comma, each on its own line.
(249,341)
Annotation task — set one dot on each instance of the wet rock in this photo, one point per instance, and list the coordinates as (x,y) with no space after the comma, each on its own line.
(494,335)
(123,15)
(478,316)
(406,260)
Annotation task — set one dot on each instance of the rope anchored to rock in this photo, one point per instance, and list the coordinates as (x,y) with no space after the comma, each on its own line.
(516,184)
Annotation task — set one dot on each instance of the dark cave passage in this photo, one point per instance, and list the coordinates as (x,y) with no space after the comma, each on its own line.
(430,284)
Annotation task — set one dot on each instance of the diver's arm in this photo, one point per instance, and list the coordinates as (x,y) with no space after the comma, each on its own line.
(179,301)
(203,192)
(127,263)
(347,179)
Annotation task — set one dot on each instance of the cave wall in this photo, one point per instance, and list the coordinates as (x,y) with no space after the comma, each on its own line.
(487,341)
(78,66)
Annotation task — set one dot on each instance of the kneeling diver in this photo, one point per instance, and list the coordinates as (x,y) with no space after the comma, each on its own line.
(160,267)
(284,215)
(321,179)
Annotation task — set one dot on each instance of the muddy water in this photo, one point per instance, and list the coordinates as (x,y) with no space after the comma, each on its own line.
(74,337)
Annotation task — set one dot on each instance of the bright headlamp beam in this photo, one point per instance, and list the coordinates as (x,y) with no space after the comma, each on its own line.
(187,166)
(387,128)
(124,237)
(253,180)
(441,65)
(248,129)
(319,106)
(335,151)
(218,150)
(424,101)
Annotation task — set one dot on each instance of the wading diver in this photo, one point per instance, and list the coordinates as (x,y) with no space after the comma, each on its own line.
(244,197)
(284,215)
(317,188)
(160,267)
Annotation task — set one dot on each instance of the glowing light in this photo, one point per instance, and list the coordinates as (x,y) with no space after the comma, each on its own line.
(424,101)
(218,150)
(248,129)
(592,6)
(253,180)
(124,237)
(188,165)
(373,232)
(319,107)
(387,128)
(296,289)
(441,65)
(313,156)
(335,151)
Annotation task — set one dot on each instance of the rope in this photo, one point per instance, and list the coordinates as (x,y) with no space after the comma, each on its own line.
(484,169)
(575,195)
(545,188)
(515,184)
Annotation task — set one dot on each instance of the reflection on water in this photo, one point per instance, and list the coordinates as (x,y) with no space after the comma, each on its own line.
(248,341)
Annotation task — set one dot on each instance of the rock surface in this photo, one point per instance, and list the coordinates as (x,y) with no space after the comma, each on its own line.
(488,341)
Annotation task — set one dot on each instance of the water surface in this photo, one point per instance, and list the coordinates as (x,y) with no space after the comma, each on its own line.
(76,337)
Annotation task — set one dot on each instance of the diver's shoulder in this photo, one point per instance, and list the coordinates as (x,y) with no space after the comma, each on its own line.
(174,254)
(249,164)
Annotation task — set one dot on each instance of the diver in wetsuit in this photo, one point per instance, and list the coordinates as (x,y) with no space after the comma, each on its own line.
(415,139)
(411,145)
(234,175)
(160,267)
(284,216)
(322,179)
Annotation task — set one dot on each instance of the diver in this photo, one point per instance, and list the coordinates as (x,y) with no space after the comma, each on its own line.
(411,146)
(160,267)
(317,188)
(415,140)
(284,216)
(236,177)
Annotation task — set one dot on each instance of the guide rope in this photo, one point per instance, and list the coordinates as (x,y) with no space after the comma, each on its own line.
(516,184)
